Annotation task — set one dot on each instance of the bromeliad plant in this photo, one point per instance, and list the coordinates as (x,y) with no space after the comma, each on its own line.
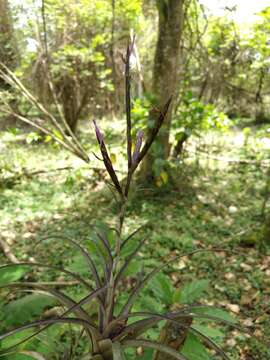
(112,331)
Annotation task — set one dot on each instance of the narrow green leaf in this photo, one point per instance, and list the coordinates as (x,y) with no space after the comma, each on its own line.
(84,253)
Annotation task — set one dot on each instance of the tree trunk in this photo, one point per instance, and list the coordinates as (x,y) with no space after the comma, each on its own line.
(9,54)
(260,117)
(165,74)
(69,101)
(73,100)
(8,45)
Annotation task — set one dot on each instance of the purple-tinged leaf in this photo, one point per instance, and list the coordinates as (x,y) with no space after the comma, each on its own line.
(131,236)
(141,284)
(74,321)
(98,133)
(140,327)
(138,144)
(106,159)
(128,260)
(154,132)
(84,253)
(58,295)
(55,268)
(91,329)
(154,345)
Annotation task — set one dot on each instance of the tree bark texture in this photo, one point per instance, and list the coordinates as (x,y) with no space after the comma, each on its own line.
(165,70)
(8,46)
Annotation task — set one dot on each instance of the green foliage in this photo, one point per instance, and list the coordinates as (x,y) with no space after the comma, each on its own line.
(194,350)
(194,118)
(80,38)
(219,313)
(187,294)
(29,307)
(80,49)
(104,306)
(191,292)
(26,309)
(140,113)
(9,342)
(185,216)
(8,275)
(221,37)
(33,137)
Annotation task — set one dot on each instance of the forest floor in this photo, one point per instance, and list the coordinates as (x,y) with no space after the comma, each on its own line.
(215,202)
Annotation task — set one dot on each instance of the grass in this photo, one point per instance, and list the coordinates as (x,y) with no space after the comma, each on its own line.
(211,203)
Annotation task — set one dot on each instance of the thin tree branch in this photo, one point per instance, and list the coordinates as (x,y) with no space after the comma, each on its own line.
(51,85)
(12,79)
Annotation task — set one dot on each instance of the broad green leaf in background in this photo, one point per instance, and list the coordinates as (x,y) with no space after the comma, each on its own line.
(14,339)
(129,247)
(11,274)
(26,309)
(79,265)
(211,332)
(219,313)
(190,292)
(162,288)
(133,268)
(193,349)
(150,303)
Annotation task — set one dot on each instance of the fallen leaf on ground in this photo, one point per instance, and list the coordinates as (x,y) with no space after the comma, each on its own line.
(233,307)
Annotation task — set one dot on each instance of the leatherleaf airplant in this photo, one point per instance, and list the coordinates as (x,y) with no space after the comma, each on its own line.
(113,330)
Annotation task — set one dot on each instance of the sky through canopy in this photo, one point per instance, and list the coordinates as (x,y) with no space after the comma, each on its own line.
(245,9)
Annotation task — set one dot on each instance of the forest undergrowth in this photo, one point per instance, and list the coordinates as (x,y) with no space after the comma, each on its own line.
(215,200)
